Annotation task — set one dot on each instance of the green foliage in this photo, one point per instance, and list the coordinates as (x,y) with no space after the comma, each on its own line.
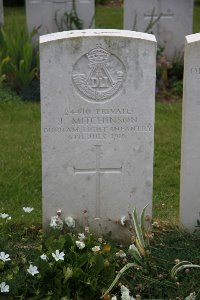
(18,59)
(32,91)
(139,250)
(3,62)
(88,274)
(169,80)
(82,274)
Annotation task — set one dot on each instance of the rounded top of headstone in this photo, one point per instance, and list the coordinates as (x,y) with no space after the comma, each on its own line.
(96,32)
(193,38)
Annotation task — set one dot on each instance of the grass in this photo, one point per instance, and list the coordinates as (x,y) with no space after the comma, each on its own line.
(14,14)
(20,176)
(167,160)
(107,17)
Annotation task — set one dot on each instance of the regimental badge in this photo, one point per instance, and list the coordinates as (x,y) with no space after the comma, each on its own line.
(98,75)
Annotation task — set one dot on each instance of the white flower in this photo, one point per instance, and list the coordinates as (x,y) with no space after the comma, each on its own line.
(126,293)
(44,257)
(100,240)
(4,216)
(4,287)
(121,254)
(70,221)
(114,298)
(28,209)
(80,245)
(58,255)
(96,248)
(56,222)
(4,257)
(123,220)
(53,222)
(81,236)
(32,270)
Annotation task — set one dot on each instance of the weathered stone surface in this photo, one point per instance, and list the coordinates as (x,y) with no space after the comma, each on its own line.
(1,13)
(47,14)
(97,97)
(174,23)
(190,165)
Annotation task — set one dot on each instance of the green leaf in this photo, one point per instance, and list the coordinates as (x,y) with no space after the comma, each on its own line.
(68,273)
(54,244)
(181,266)
(79,274)
(99,264)
(124,269)
(82,260)
(137,228)
(142,217)
(68,242)
(135,253)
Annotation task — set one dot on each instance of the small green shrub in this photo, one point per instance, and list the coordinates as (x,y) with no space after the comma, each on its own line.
(19,61)
(169,74)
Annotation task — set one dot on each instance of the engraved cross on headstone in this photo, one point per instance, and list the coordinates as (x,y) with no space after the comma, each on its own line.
(98,171)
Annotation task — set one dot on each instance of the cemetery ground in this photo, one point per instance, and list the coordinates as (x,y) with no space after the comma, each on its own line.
(90,273)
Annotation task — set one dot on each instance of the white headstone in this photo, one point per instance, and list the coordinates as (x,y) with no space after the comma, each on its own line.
(47,14)
(97,97)
(1,13)
(190,165)
(176,17)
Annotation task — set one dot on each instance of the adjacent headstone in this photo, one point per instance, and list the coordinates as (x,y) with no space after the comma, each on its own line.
(97,97)
(48,15)
(1,13)
(175,20)
(190,165)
